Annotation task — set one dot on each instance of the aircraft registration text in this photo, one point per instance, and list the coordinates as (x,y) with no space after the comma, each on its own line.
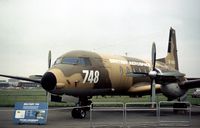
(91,76)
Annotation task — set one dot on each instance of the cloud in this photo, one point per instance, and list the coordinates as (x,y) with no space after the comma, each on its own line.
(28,29)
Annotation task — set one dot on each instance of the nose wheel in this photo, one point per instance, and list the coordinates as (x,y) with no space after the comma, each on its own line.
(78,113)
(82,107)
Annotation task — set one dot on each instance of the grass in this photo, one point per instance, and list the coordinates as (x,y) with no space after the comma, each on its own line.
(9,97)
(193,101)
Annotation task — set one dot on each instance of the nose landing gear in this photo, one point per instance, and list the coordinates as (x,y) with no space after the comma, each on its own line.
(82,107)
(78,113)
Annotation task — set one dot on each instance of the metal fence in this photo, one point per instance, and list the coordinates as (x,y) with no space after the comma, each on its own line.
(165,113)
(141,113)
(116,109)
(168,109)
(152,114)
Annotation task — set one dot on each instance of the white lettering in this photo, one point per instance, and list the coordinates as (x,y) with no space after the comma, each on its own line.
(116,61)
(91,76)
(86,72)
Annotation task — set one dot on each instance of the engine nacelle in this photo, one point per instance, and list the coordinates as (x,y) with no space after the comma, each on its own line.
(172,90)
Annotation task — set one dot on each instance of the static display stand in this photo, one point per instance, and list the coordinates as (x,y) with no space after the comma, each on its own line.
(30,113)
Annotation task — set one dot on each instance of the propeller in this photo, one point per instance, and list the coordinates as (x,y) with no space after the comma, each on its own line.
(153,74)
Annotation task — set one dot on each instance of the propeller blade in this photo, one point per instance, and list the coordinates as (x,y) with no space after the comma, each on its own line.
(49,59)
(153,56)
(153,90)
(49,65)
(153,73)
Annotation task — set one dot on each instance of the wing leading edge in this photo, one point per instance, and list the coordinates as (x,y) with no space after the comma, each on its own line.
(191,83)
(22,78)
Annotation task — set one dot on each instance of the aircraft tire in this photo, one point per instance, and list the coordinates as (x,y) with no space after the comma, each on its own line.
(177,107)
(82,113)
(78,113)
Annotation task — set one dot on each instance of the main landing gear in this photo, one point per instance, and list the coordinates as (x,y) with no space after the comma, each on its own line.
(180,108)
(81,108)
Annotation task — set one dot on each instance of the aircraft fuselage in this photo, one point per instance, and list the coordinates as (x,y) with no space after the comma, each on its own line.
(78,72)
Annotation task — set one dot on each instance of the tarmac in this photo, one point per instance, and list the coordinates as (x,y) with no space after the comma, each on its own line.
(61,118)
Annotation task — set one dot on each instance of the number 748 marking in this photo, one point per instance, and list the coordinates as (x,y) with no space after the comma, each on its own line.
(91,76)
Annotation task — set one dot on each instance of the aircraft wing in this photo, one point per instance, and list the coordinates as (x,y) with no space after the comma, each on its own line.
(22,78)
(193,78)
(191,83)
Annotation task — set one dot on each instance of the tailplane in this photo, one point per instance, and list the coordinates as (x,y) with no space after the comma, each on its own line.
(171,59)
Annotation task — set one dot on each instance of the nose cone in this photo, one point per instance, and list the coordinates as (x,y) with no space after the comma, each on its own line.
(48,81)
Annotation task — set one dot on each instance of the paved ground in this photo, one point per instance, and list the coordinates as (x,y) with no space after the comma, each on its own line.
(61,118)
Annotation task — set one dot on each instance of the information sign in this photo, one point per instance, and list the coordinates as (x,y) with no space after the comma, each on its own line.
(30,113)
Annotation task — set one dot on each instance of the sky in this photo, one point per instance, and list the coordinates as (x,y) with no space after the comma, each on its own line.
(30,28)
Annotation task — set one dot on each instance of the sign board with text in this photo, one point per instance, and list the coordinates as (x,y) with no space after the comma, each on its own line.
(30,113)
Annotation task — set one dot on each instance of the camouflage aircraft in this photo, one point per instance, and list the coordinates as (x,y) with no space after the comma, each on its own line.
(84,74)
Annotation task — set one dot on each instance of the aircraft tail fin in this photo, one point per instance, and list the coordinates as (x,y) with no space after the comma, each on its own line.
(171,59)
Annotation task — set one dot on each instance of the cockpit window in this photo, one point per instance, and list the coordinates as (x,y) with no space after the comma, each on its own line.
(74,61)
(84,61)
(58,61)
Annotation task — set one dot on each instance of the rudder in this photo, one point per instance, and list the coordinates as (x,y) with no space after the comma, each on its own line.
(171,59)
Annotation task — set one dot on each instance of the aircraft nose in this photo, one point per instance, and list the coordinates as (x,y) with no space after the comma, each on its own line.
(48,81)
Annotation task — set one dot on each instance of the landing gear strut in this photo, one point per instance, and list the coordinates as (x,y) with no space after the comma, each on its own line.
(82,107)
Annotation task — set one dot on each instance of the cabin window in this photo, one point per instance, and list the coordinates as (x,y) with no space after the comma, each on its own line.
(121,70)
(139,69)
(127,70)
